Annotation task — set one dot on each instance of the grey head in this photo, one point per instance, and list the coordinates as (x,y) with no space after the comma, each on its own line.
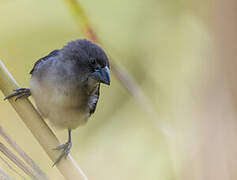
(88,59)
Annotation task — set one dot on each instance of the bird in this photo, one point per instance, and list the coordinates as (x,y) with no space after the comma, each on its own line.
(65,86)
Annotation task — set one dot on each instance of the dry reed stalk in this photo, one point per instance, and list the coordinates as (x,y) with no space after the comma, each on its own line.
(39,173)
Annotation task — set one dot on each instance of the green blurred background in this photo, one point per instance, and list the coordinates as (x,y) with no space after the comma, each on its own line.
(164,44)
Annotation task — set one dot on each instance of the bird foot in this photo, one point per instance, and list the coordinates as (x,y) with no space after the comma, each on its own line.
(66,149)
(19,93)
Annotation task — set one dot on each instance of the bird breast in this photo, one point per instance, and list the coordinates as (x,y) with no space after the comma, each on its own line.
(65,104)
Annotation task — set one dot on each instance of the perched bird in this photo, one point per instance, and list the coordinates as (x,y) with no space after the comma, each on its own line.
(65,85)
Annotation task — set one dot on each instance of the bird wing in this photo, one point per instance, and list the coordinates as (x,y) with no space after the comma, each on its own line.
(53,53)
(93,100)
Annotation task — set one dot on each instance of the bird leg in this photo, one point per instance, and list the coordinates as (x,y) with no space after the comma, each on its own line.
(19,93)
(65,147)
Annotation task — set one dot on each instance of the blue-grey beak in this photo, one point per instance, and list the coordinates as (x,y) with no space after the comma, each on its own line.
(102,75)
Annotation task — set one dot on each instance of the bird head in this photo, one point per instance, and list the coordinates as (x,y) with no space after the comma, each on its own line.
(90,60)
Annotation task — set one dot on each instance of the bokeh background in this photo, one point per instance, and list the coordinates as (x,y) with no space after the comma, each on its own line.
(182,55)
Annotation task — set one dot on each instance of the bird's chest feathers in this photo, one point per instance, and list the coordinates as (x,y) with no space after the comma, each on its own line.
(66,93)
(65,104)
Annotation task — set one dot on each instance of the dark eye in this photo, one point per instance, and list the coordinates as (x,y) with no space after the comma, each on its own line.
(92,61)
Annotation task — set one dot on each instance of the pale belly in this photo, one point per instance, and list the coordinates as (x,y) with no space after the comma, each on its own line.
(58,105)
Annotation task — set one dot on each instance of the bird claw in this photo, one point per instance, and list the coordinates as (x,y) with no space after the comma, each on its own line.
(66,150)
(19,93)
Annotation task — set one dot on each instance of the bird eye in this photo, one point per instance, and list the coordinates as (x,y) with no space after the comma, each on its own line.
(92,61)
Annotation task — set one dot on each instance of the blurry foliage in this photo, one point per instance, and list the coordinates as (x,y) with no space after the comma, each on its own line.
(161,43)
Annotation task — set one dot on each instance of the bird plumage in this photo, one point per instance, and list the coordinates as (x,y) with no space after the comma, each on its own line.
(61,85)
(65,85)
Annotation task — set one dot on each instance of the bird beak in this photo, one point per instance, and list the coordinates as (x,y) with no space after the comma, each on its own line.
(102,75)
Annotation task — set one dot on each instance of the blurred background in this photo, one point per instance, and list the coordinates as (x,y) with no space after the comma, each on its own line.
(181,53)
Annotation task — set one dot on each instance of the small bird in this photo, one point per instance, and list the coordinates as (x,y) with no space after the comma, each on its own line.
(65,85)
